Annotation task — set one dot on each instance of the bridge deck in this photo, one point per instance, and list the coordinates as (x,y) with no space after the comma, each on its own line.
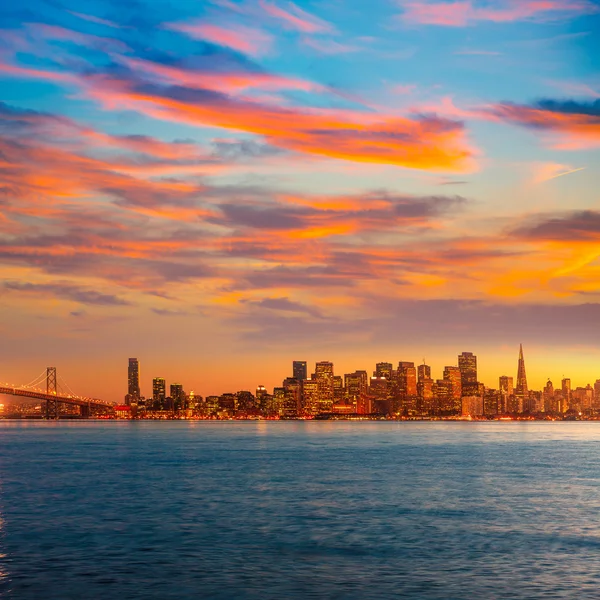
(91,402)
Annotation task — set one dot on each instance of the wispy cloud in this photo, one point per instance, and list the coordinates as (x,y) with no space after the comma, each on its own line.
(294,17)
(254,42)
(462,13)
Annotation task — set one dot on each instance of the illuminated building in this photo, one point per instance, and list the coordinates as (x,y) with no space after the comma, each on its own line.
(472,406)
(338,389)
(292,406)
(521,390)
(455,376)
(299,370)
(245,401)
(425,395)
(158,393)
(383,369)
(178,396)
(424,372)
(407,378)
(310,397)
(491,403)
(506,390)
(212,404)
(565,385)
(261,397)
(227,403)
(467,363)
(133,381)
(356,385)
(278,405)
(324,377)
(548,397)
(443,401)
(596,396)
(379,391)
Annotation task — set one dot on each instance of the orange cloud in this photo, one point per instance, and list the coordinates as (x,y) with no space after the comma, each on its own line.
(426,143)
(576,123)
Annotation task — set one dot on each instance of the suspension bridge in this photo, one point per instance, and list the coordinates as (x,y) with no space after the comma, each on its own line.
(56,392)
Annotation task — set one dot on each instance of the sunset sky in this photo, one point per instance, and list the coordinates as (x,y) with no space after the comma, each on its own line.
(219,188)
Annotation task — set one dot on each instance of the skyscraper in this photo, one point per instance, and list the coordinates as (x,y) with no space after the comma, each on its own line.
(424,372)
(159,392)
(133,381)
(177,395)
(299,370)
(454,375)
(407,378)
(383,369)
(324,377)
(356,385)
(521,390)
(467,363)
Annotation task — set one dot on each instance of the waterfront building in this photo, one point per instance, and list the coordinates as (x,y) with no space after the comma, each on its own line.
(159,393)
(455,376)
(467,363)
(565,385)
(299,370)
(506,398)
(324,377)
(310,397)
(407,378)
(424,372)
(356,385)
(472,406)
(292,406)
(383,369)
(521,389)
(491,402)
(178,396)
(133,382)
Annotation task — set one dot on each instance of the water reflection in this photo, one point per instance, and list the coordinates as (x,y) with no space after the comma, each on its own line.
(273,510)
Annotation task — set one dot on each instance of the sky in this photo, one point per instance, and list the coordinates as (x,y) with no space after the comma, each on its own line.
(221,187)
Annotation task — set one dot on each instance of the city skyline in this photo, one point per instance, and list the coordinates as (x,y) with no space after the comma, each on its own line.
(243,182)
(405,391)
(465,375)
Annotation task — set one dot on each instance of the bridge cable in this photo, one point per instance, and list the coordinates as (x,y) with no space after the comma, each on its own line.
(35,381)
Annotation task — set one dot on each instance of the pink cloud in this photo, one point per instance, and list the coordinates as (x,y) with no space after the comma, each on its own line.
(243,39)
(467,12)
(296,18)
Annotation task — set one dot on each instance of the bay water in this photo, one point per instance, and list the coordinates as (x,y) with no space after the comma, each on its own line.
(274,510)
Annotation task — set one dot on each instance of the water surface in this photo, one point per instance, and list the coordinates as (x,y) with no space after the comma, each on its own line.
(274,510)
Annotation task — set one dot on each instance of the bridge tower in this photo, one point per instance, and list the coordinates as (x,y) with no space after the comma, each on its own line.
(51,405)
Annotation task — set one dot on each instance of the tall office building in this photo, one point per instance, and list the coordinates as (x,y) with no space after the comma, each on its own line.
(383,369)
(356,385)
(159,391)
(454,375)
(505,385)
(324,377)
(310,397)
(424,372)
(133,381)
(407,379)
(565,385)
(299,370)
(467,363)
(177,395)
(506,395)
(521,390)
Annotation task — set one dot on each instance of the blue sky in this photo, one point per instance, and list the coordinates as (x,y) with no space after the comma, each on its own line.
(196,183)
